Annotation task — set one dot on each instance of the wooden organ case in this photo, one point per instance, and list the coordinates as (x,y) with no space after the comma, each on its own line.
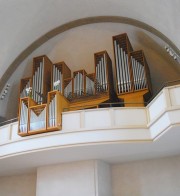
(132,72)
(52,89)
(40,106)
(90,90)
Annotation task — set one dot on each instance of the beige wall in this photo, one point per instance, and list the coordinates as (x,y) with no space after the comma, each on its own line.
(85,178)
(147,178)
(21,185)
(71,179)
(155,177)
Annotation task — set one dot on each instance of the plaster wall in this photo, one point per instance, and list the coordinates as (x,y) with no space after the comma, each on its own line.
(90,178)
(21,185)
(73,179)
(147,178)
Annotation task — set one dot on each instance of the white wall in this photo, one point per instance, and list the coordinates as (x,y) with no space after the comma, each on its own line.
(147,178)
(85,178)
(72,179)
(21,185)
(104,186)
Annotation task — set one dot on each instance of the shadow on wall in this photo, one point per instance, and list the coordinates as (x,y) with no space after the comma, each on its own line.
(162,67)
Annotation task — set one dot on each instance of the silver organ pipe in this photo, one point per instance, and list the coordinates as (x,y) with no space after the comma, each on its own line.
(33,83)
(78,84)
(60,79)
(122,69)
(89,86)
(75,85)
(101,74)
(134,71)
(42,85)
(97,76)
(128,74)
(105,72)
(139,70)
(57,76)
(34,86)
(53,112)
(82,84)
(37,121)
(37,86)
(23,118)
(139,75)
(68,90)
(118,68)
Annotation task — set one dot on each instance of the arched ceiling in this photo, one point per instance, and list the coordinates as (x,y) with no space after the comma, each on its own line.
(23,22)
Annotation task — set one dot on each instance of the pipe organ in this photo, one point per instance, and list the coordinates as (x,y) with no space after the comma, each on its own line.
(140,70)
(54,110)
(23,124)
(79,83)
(37,118)
(132,74)
(25,85)
(68,88)
(103,73)
(90,84)
(41,78)
(23,121)
(60,72)
(51,88)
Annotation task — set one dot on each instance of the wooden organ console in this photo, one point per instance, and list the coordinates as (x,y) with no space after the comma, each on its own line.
(52,88)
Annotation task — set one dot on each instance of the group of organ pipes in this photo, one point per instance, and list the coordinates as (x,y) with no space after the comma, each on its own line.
(50,89)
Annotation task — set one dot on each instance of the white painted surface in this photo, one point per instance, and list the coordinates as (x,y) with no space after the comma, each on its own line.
(133,138)
(5,134)
(14,131)
(147,178)
(71,121)
(157,106)
(160,126)
(103,179)
(97,119)
(72,179)
(90,178)
(175,95)
(130,117)
(21,185)
(98,126)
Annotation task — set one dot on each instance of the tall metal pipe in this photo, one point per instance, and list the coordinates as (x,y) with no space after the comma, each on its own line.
(117,67)
(120,68)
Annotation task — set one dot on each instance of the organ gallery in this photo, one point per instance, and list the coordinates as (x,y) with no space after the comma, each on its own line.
(53,88)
